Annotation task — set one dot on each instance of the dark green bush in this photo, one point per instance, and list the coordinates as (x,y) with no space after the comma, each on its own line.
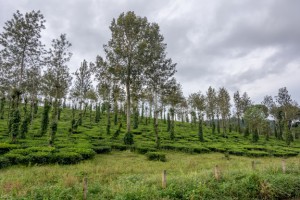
(15,158)
(143,150)
(84,152)
(201,150)
(128,139)
(4,147)
(41,149)
(156,156)
(120,147)
(4,162)
(23,152)
(254,153)
(236,151)
(102,149)
(66,158)
(40,157)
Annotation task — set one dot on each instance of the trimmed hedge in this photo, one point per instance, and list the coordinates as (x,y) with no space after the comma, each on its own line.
(85,153)
(102,149)
(5,147)
(143,150)
(120,147)
(16,158)
(156,156)
(254,153)
(40,157)
(66,158)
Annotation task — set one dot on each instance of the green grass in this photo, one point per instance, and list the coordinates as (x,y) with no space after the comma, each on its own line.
(127,175)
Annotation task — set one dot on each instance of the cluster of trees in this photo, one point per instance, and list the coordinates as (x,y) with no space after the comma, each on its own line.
(135,79)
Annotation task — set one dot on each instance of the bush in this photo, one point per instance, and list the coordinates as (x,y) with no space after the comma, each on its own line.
(120,147)
(66,158)
(128,139)
(40,157)
(156,156)
(4,162)
(41,149)
(143,150)
(102,149)
(84,152)
(254,153)
(201,150)
(15,158)
(4,147)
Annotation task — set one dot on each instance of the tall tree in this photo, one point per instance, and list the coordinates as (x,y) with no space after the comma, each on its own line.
(82,83)
(256,118)
(197,102)
(238,106)
(224,105)
(159,71)
(57,78)
(290,110)
(174,96)
(211,105)
(22,48)
(104,76)
(20,55)
(128,51)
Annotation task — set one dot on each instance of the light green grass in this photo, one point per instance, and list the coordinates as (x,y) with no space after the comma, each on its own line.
(127,175)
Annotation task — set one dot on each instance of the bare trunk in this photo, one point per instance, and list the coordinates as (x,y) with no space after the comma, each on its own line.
(128,104)
(156,121)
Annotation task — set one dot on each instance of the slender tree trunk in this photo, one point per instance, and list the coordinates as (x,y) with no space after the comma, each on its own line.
(157,140)
(128,105)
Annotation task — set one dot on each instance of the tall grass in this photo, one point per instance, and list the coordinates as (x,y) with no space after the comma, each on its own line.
(127,175)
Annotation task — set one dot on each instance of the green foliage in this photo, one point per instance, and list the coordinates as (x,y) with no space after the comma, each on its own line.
(24,126)
(255,136)
(156,156)
(97,116)
(4,162)
(5,147)
(128,138)
(15,158)
(53,132)
(45,118)
(66,158)
(101,149)
(15,124)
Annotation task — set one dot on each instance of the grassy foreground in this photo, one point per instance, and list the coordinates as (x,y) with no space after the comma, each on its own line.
(128,175)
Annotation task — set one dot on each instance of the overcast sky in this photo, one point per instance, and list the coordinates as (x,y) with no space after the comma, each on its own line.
(244,45)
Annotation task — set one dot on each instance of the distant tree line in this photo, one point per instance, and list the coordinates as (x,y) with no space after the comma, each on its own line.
(134,81)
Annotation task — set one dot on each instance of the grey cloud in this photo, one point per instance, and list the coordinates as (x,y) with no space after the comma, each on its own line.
(203,37)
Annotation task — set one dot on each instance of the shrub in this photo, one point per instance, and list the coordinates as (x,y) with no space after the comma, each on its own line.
(84,152)
(102,149)
(254,153)
(156,156)
(4,147)
(40,157)
(15,158)
(41,149)
(66,158)
(143,150)
(4,162)
(23,152)
(201,150)
(128,139)
(120,147)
